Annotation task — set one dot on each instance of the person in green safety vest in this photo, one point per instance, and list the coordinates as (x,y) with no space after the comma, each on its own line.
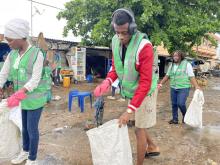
(133,64)
(47,77)
(24,65)
(56,72)
(181,76)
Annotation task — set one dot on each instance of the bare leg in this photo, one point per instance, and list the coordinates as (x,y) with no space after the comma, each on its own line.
(141,145)
(150,144)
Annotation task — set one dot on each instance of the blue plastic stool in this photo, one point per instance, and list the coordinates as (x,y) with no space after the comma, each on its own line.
(89,78)
(82,95)
(72,94)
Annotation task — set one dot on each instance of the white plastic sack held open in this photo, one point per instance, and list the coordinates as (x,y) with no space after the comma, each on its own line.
(193,115)
(110,145)
(10,132)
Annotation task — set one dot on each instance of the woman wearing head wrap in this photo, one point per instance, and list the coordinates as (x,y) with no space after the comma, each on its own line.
(24,64)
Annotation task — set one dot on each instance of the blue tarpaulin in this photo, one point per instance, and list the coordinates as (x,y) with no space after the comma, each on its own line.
(4,48)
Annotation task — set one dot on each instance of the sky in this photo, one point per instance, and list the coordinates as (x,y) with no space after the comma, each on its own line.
(45,22)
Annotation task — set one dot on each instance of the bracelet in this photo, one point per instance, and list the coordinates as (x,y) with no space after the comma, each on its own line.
(129,111)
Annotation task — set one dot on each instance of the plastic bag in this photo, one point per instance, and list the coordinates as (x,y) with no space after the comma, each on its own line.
(15,116)
(10,138)
(110,144)
(193,115)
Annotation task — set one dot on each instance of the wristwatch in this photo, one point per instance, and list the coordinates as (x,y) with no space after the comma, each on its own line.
(129,111)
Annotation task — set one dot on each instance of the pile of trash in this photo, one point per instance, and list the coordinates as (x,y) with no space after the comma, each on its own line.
(215,73)
(99,111)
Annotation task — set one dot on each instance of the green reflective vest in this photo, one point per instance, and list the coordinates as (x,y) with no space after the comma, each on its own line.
(127,74)
(179,78)
(37,98)
(47,77)
(46,73)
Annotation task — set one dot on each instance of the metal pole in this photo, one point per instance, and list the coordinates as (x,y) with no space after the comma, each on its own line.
(45,4)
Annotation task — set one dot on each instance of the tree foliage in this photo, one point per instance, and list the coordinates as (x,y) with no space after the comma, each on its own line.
(179,24)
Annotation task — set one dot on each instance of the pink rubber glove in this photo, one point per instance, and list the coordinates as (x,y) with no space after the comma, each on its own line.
(15,99)
(104,87)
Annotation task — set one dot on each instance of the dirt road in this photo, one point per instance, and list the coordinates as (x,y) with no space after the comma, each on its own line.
(64,142)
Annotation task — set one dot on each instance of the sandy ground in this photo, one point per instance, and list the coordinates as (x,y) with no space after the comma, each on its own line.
(64,142)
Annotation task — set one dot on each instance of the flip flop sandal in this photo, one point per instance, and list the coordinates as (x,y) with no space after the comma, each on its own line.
(151,154)
(131,123)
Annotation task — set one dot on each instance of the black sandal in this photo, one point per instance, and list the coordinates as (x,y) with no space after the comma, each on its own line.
(173,122)
(151,154)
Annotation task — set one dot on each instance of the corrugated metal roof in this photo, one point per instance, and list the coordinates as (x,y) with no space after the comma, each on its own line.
(98,48)
(55,40)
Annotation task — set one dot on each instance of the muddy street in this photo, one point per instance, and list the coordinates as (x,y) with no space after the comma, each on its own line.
(63,140)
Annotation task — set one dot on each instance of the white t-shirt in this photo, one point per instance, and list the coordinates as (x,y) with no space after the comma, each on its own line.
(189,70)
(115,83)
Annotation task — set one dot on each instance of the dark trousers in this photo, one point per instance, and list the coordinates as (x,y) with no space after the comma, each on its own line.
(114,89)
(56,76)
(178,98)
(30,132)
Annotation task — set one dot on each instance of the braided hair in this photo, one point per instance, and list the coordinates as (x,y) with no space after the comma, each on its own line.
(180,53)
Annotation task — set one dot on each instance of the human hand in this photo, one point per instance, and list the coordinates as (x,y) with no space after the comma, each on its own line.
(124,118)
(104,87)
(159,86)
(15,99)
(198,87)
